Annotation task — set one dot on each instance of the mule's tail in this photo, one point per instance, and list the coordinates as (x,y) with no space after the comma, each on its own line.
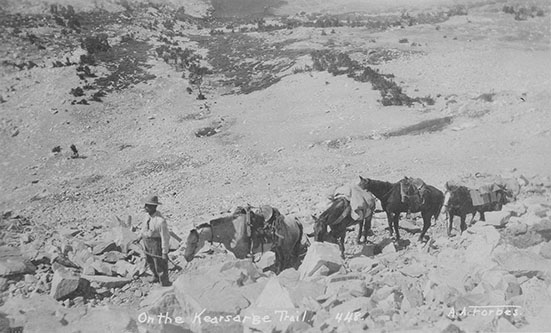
(438,210)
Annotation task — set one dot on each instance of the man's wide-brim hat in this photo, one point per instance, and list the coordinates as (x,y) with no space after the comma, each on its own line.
(152,200)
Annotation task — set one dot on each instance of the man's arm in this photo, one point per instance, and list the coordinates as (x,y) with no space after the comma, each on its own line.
(165,237)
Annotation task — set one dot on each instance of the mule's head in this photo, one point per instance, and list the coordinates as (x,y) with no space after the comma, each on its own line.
(455,196)
(192,245)
(320,229)
(365,183)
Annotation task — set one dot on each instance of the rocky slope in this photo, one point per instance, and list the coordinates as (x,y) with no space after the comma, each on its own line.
(211,112)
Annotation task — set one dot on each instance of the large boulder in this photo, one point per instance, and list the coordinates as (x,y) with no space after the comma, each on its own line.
(103,268)
(113,256)
(223,288)
(104,320)
(361,263)
(347,284)
(545,250)
(213,292)
(13,263)
(348,312)
(498,218)
(484,241)
(303,293)
(523,262)
(21,311)
(81,257)
(274,309)
(515,208)
(107,281)
(66,283)
(516,227)
(104,247)
(321,256)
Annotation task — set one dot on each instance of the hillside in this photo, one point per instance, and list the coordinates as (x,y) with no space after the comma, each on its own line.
(212,109)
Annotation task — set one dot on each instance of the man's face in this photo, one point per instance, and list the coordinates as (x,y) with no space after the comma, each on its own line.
(150,208)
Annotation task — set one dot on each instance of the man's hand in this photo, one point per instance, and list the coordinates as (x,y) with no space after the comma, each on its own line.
(165,256)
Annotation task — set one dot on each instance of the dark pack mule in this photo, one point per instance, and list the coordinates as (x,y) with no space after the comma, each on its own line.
(338,218)
(390,195)
(458,202)
(285,234)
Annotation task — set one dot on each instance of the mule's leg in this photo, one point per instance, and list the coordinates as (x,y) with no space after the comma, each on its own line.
(389,217)
(360,231)
(472,218)
(463,225)
(367,227)
(482,217)
(426,224)
(341,243)
(281,264)
(396,226)
(450,224)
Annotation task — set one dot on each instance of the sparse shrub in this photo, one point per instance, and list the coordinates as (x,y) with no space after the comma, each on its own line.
(98,95)
(403,40)
(77,92)
(214,32)
(95,44)
(508,9)
(523,13)
(87,60)
(196,74)
(168,24)
(341,63)
(180,14)
(457,11)
(323,33)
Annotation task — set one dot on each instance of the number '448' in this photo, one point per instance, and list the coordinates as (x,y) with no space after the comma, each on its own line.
(348,317)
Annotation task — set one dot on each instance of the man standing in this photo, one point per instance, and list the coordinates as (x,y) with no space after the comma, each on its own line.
(156,238)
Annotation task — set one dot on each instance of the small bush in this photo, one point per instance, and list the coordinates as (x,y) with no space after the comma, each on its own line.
(77,92)
(403,40)
(341,63)
(95,44)
(457,11)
